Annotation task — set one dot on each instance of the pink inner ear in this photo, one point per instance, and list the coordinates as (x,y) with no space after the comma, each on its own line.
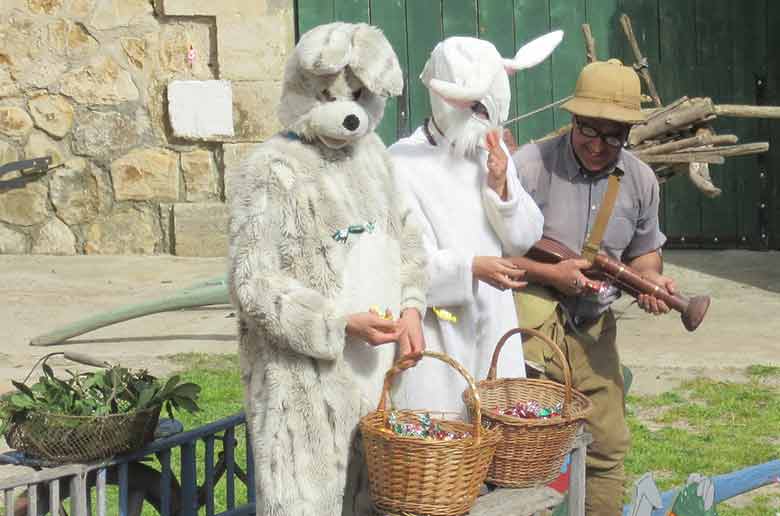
(510,71)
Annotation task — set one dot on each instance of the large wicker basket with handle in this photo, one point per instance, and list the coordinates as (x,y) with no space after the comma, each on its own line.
(532,451)
(422,476)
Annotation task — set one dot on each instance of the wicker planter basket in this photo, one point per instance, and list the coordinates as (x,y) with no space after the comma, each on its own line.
(532,451)
(58,439)
(421,476)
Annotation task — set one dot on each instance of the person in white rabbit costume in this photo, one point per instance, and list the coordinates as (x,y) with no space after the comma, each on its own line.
(462,186)
(317,237)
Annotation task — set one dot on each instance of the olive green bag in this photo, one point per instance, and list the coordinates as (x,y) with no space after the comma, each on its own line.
(534,305)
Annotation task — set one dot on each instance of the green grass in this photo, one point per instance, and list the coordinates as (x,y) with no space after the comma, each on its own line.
(707,427)
(703,426)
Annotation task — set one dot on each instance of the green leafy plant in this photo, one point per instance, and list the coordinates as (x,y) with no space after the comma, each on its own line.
(113,390)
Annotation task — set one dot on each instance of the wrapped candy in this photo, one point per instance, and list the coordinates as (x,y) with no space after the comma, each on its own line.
(424,428)
(530,410)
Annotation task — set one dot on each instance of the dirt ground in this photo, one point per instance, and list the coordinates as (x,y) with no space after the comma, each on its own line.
(42,293)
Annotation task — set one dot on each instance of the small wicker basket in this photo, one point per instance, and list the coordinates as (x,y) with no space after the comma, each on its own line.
(420,476)
(532,451)
(59,439)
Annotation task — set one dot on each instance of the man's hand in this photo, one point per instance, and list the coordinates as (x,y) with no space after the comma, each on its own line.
(499,273)
(568,278)
(652,304)
(496,165)
(412,340)
(373,329)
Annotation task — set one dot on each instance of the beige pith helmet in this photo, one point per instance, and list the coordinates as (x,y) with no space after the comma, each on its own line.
(608,90)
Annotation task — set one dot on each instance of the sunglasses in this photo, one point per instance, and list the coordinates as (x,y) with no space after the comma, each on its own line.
(612,140)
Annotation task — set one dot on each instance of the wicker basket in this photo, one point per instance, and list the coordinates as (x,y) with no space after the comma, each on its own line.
(532,451)
(58,439)
(420,476)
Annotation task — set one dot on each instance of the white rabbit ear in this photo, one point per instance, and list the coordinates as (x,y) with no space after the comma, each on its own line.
(534,52)
(457,95)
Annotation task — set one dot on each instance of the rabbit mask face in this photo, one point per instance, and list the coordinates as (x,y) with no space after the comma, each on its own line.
(469,89)
(336,83)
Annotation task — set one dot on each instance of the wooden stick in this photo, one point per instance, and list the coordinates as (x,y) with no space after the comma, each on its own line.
(677,145)
(665,109)
(590,43)
(739,111)
(729,151)
(640,60)
(699,174)
(684,158)
(689,112)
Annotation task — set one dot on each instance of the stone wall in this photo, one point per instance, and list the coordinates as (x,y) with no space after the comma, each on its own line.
(144,104)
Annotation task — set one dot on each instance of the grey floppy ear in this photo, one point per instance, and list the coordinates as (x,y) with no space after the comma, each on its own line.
(326,49)
(374,62)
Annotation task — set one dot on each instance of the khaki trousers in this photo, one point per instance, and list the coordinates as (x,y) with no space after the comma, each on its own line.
(596,372)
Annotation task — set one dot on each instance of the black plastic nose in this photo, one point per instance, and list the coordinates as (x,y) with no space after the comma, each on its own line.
(351,122)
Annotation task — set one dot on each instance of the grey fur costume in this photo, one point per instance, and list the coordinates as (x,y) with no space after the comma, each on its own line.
(306,383)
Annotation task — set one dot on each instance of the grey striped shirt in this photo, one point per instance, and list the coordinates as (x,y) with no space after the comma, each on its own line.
(570,199)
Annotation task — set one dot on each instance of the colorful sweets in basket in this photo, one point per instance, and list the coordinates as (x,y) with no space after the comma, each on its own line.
(424,428)
(530,410)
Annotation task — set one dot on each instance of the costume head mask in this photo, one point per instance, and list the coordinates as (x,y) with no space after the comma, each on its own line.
(336,83)
(468,84)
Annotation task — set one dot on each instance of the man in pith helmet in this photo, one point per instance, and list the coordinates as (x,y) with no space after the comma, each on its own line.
(569,178)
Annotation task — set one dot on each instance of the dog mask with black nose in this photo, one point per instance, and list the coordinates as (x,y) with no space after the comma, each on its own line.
(336,83)
(468,83)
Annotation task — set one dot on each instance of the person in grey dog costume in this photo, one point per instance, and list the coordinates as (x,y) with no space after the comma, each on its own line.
(318,236)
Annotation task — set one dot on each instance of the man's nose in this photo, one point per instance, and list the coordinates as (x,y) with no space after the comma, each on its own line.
(597,144)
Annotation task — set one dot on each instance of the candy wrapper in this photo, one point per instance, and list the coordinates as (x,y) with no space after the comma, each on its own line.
(424,428)
(530,410)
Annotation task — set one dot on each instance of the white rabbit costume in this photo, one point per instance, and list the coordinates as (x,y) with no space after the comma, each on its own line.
(442,169)
(317,232)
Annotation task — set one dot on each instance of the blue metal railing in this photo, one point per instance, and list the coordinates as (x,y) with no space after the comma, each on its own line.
(137,482)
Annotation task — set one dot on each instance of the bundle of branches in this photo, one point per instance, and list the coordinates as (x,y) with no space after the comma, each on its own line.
(678,137)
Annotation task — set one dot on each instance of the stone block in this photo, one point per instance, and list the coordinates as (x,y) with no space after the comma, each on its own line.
(79,191)
(111,14)
(40,145)
(101,82)
(14,121)
(105,134)
(254,110)
(55,238)
(24,205)
(201,110)
(12,242)
(129,229)
(211,7)
(52,113)
(146,174)
(200,229)
(200,175)
(254,48)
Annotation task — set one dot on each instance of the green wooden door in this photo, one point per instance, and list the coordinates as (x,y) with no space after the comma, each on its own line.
(715,48)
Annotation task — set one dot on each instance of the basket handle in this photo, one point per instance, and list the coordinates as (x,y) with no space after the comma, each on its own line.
(544,338)
(410,360)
